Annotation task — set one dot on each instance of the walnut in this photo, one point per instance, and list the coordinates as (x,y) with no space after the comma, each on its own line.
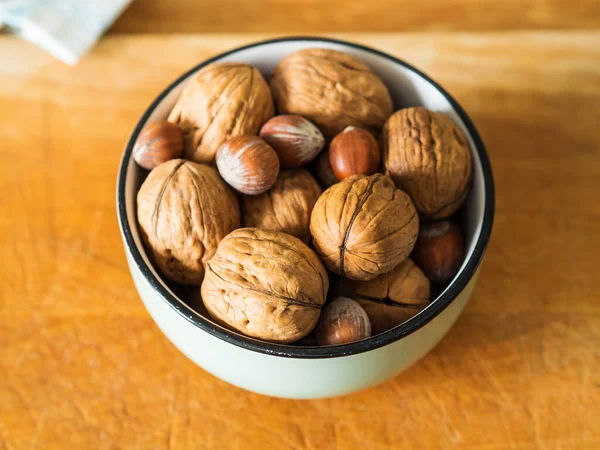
(392,298)
(184,210)
(363,226)
(221,101)
(286,206)
(265,284)
(428,157)
(332,89)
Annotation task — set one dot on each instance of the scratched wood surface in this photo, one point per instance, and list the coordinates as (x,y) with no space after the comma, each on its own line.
(83,366)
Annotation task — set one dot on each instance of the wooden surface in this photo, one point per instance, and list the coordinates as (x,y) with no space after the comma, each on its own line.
(83,366)
(315,16)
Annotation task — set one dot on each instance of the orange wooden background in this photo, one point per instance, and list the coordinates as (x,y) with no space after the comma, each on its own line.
(83,366)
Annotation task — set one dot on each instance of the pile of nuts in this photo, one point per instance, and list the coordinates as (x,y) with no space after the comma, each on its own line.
(300,227)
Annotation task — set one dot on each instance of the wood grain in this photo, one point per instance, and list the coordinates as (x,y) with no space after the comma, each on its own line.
(314,16)
(83,366)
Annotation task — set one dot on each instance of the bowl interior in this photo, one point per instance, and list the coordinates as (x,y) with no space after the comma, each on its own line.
(407,86)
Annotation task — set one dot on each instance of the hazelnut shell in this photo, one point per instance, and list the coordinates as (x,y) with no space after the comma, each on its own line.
(354,152)
(248,164)
(343,321)
(440,250)
(296,140)
(158,142)
(323,170)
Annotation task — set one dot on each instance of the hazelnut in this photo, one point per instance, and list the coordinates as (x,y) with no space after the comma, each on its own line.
(296,140)
(184,210)
(440,250)
(286,206)
(391,298)
(265,284)
(332,89)
(248,164)
(354,152)
(157,143)
(363,226)
(428,157)
(220,101)
(343,321)
(323,170)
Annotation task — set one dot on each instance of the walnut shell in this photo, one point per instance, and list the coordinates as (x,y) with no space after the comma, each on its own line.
(184,210)
(332,89)
(221,101)
(427,156)
(286,206)
(363,226)
(265,284)
(394,297)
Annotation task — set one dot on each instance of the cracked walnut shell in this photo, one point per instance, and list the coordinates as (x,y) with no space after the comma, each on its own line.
(265,284)
(221,101)
(428,157)
(363,226)
(332,89)
(392,298)
(184,210)
(286,206)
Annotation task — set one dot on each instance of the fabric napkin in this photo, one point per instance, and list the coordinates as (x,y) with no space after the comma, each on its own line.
(64,28)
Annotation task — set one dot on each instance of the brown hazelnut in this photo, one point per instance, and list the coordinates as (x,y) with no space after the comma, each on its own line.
(296,140)
(428,157)
(439,250)
(286,206)
(363,226)
(184,210)
(323,170)
(391,298)
(248,164)
(222,100)
(332,89)
(343,321)
(354,152)
(157,143)
(265,284)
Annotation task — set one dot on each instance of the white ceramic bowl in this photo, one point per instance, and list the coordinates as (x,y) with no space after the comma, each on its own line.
(311,372)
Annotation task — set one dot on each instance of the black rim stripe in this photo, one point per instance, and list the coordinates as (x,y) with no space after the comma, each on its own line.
(372,343)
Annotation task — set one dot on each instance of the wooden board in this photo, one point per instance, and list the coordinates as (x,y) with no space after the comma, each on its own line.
(83,366)
(314,16)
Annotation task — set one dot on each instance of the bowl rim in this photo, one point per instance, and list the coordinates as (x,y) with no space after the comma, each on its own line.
(312,352)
